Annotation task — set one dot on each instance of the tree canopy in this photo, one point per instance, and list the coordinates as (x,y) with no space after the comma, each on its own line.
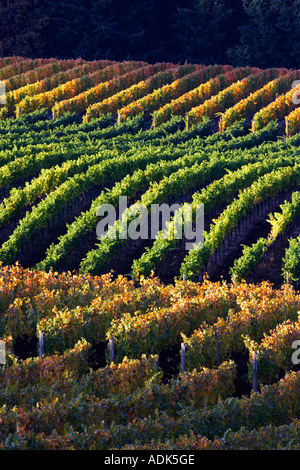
(263,33)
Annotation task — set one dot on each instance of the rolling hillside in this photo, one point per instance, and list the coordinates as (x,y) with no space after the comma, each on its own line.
(96,330)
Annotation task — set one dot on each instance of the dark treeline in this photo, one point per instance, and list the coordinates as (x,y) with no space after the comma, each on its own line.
(263,33)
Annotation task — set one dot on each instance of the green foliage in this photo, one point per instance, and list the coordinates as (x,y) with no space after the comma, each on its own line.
(291,260)
(248,260)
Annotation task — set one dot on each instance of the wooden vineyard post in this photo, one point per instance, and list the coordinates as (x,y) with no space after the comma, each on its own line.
(18,111)
(86,117)
(287,130)
(187,123)
(254,367)
(119,118)
(2,354)
(53,114)
(182,358)
(220,124)
(41,343)
(287,277)
(254,125)
(111,350)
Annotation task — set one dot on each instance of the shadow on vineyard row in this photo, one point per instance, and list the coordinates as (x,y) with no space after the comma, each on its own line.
(169,361)
(217,268)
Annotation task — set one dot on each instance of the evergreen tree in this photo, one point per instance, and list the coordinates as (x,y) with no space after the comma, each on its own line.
(69,21)
(165,40)
(263,33)
(206,30)
(118,30)
(271,36)
(22,25)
